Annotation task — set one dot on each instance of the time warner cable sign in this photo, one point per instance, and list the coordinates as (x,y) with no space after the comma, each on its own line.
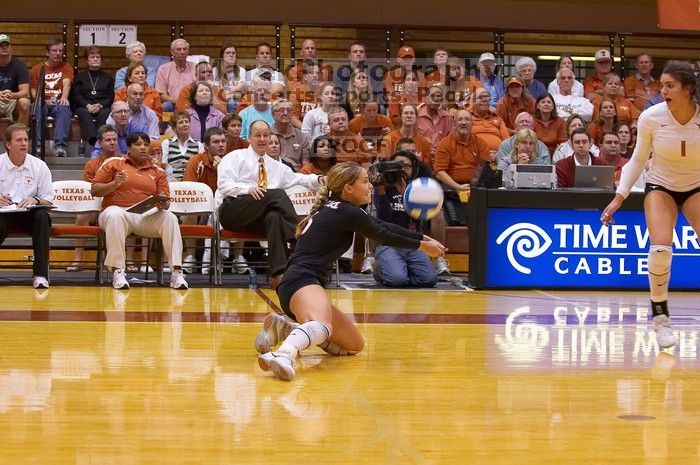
(571,248)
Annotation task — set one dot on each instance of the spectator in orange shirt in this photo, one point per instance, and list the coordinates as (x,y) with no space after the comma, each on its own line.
(409,117)
(348,145)
(641,86)
(548,125)
(58,79)
(606,121)
(107,136)
(308,54)
(323,157)
(369,123)
(593,85)
(434,123)
(458,154)
(204,73)
(396,75)
(304,95)
(461,85)
(136,73)
(410,93)
(485,123)
(626,112)
(233,124)
(123,182)
(515,100)
(437,72)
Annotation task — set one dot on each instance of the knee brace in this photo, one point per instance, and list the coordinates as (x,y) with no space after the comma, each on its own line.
(659,263)
(660,259)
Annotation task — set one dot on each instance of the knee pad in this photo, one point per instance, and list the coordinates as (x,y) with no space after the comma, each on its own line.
(660,259)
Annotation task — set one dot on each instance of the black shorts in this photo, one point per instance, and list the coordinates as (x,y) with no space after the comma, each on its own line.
(678,197)
(288,288)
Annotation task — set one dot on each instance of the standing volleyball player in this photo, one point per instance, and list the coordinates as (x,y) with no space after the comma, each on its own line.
(322,237)
(671,131)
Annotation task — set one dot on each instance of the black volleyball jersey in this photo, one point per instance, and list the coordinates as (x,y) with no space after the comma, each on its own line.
(329,233)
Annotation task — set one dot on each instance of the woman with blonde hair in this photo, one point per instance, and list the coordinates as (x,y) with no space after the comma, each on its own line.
(322,237)
(524,152)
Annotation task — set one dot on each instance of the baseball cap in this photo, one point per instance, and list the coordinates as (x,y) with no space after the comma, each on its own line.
(5,38)
(406,51)
(515,80)
(602,54)
(486,57)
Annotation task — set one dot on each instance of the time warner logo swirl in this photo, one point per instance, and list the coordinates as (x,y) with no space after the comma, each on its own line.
(570,248)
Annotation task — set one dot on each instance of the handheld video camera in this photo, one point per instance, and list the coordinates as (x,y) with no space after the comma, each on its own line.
(387,172)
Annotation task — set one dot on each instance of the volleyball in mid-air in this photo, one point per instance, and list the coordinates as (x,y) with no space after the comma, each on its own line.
(423,198)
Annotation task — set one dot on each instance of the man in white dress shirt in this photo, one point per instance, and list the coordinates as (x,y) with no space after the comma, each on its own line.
(252,198)
(567,103)
(25,181)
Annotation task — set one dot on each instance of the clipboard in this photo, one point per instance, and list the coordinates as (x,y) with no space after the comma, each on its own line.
(147,204)
(12,208)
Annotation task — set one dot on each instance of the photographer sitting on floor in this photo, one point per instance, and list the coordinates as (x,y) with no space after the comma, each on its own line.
(399,267)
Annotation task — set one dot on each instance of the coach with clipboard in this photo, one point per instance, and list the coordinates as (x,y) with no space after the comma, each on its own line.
(25,189)
(130,188)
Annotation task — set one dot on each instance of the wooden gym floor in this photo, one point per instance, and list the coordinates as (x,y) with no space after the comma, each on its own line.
(90,375)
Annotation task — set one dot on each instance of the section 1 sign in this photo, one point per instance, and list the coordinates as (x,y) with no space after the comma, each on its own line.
(106,35)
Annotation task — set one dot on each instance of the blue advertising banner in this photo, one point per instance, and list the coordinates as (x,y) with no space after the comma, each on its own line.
(571,248)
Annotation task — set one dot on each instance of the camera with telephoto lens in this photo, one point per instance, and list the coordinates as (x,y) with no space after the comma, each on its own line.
(387,172)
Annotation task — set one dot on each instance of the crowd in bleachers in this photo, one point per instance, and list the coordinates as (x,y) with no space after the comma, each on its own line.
(451,117)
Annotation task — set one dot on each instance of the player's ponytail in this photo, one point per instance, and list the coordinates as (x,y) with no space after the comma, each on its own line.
(321,198)
(339,175)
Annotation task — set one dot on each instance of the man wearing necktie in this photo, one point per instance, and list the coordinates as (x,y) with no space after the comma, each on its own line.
(252,198)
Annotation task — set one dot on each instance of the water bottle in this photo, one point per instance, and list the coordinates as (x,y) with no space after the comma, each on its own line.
(252,279)
(81,148)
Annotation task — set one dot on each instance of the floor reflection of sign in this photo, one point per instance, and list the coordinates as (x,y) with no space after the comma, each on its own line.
(586,336)
(106,35)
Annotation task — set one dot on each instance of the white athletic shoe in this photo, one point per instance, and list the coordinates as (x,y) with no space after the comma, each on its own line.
(367,265)
(39,282)
(276,328)
(664,333)
(240,265)
(177,280)
(280,363)
(119,279)
(188,264)
(442,266)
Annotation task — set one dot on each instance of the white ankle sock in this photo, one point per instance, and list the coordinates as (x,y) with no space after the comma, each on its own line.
(311,333)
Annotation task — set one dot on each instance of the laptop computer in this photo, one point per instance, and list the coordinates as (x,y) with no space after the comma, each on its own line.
(595,177)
